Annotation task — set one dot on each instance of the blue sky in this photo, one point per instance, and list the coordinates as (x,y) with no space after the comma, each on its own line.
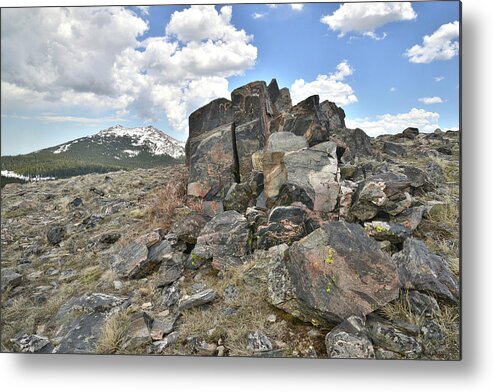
(68,73)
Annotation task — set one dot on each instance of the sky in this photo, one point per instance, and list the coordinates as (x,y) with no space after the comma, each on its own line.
(70,72)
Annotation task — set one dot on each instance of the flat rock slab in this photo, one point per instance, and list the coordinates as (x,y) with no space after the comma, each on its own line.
(333,273)
(197,299)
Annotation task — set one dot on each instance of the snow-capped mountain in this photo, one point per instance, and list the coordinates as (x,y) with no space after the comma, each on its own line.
(115,148)
(149,138)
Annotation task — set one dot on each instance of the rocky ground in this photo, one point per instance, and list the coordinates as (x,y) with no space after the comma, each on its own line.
(331,244)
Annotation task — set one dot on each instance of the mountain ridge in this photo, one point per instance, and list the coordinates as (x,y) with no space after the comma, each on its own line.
(113,148)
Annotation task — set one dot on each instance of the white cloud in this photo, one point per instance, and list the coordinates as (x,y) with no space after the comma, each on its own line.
(443,44)
(144,9)
(439,78)
(395,123)
(272,5)
(430,100)
(75,58)
(393,89)
(49,118)
(329,87)
(258,15)
(365,18)
(297,7)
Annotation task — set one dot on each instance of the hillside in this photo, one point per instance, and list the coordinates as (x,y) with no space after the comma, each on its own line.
(112,149)
(286,234)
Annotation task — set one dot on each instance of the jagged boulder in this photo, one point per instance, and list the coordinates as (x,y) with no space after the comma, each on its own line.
(385,192)
(335,272)
(334,115)
(286,224)
(224,240)
(423,270)
(353,144)
(210,152)
(304,119)
(280,98)
(187,224)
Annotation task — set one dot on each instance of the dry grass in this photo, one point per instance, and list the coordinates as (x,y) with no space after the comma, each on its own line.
(401,311)
(113,333)
(448,320)
(161,205)
(213,322)
(24,315)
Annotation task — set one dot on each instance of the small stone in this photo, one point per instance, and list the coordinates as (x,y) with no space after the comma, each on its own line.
(56,234)
(221,351)
(258,342)
(118,285)
(77,202)
(272,318)
(349,340)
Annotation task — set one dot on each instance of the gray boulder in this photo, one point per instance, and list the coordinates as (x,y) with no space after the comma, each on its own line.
(312,170)
(385,192)
(386,336)
(187,224)
(422,270)
(350,340)
(224,240)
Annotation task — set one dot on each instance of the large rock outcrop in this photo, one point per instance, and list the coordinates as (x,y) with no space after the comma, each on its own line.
(257,111)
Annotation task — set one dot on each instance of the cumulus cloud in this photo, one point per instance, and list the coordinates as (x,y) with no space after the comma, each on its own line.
(443,44)
(365,18)
(55,58)
(439,78)
(258,15)
(430,100)
(144,9)
(297,7)
(395,123)
(329,87)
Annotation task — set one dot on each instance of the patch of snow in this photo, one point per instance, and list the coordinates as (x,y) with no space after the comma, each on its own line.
(62,148)
(11,174)
(132,153)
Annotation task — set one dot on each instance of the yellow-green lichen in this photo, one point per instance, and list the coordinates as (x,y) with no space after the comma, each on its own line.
(381,229)
(330,255)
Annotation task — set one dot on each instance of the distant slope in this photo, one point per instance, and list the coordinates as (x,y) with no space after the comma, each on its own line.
(115,148)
